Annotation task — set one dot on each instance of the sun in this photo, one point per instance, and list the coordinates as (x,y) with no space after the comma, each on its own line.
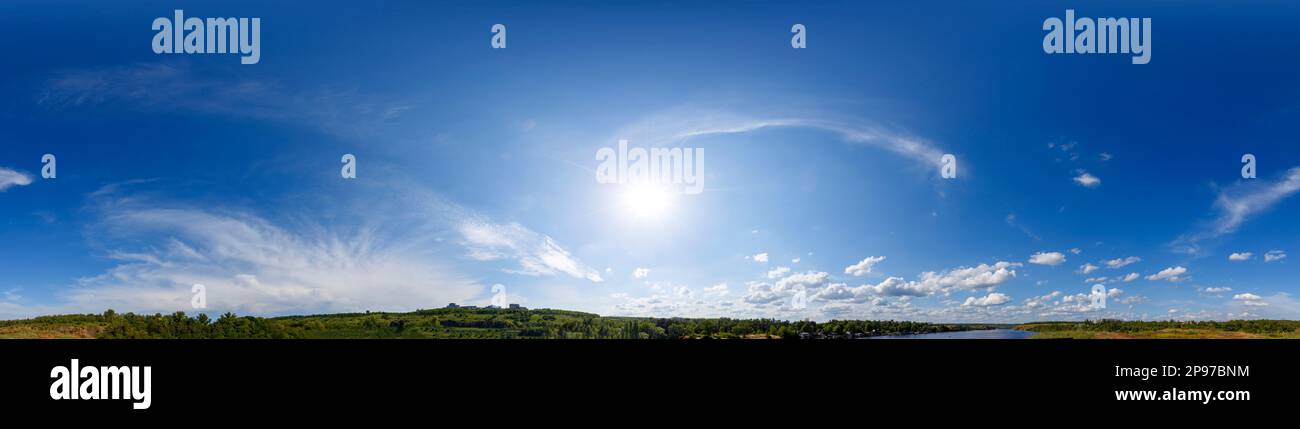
(646,201)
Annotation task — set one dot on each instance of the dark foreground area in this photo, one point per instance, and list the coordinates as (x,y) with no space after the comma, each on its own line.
(573,380)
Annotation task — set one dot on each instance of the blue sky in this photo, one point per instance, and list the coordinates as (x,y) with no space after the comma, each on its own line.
(475,166)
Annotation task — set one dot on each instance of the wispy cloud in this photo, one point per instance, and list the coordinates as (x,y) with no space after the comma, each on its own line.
(683,123)
(1235,205)
(537,254)
(10,178)
(252,263)
(175,86)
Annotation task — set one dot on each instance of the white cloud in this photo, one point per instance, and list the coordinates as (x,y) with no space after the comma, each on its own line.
(1047,258)
(1240,256)
(863,267)
(536,254)
(795,260)
(1274,255)
(761,257)
(1087,180)
(1250,299)
(719,289)
(181,87)
(842,292)
(1088,268)
(685,122)
(778,272)
(966,278)
(985,301)
(897,286)
(1122,262)
(1040,301)
(1172,274)
(1131,277)
(1076,250)
(1216,289)
(10,178)
(249,264)
(641,273)
(1239,203)
(808,280)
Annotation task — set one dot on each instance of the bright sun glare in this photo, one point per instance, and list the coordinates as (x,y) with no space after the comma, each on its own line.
(646,202)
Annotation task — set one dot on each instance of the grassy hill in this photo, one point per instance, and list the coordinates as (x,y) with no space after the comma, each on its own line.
(1117,329)
(449,323)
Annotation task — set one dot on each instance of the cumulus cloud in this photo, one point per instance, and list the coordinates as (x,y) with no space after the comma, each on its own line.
(897,286)
(10,178)
(1122,262)
(1250,299)
(641,273)
(761,257)
(719,289)
(1172,274)
(1216,289)
(965,278)
(778,272)
(863,267)
(1047,258)
(1274,255)
(842,292)
(1087,180)
(1087,268)
(808,280)
(1131,277)
(958,279)
(985,301)
(1243,256)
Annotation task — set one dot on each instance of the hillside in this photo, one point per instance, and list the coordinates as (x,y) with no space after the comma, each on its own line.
(1117,329)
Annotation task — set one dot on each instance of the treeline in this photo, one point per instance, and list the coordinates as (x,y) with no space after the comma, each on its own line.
(179,326)
(1110,325)
(478,323)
